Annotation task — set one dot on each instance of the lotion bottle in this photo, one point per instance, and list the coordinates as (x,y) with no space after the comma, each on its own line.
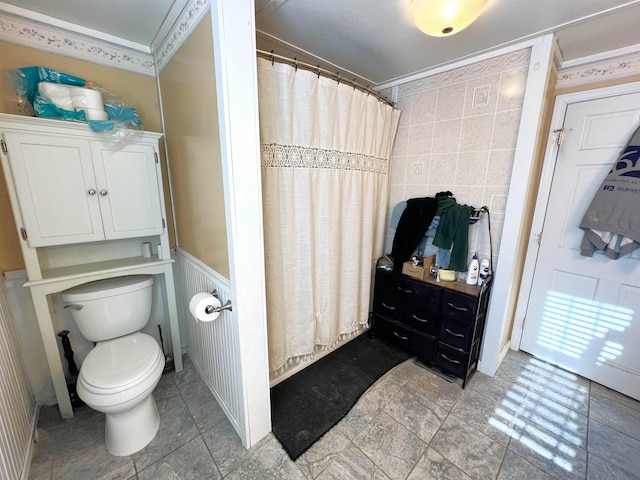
(472,273)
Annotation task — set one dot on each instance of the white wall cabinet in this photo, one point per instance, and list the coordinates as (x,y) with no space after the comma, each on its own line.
(82,209)
(73,190)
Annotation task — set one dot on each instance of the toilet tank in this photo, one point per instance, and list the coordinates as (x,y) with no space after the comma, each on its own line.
(110,308)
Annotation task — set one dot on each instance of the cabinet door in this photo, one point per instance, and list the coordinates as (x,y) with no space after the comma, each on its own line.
(128,190)
(56,188)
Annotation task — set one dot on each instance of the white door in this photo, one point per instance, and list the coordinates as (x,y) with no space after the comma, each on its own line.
(128,189)
(56,188)
(584,313)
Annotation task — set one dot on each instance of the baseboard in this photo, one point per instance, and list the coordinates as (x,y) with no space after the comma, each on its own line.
(34,438)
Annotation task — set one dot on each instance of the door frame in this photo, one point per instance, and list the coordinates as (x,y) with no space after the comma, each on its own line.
(234,47)
(561,105)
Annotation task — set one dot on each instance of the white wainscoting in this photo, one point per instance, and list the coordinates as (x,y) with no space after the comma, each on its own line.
(212,346)
(18,410)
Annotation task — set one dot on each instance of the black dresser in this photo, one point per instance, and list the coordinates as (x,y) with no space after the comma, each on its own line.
(440,322)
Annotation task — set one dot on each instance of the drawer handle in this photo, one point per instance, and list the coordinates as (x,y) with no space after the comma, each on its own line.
(454,334)
(400,336)
(423,320)
(387,306)
(462,309)
(404,291)
(448,359)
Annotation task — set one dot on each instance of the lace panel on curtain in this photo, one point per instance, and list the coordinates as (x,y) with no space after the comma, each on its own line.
(274,155)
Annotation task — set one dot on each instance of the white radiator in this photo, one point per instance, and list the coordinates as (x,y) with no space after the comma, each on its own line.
(17,405)
(213,346)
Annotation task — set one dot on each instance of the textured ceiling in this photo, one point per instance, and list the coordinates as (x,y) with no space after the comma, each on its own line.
(375,40)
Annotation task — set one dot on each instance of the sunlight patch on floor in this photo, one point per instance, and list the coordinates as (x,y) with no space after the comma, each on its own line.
(549,429)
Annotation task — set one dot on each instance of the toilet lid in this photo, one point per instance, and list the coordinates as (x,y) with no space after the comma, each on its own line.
(119,362)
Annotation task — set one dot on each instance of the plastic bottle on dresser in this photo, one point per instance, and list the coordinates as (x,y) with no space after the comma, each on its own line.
(472,273)
(485,271)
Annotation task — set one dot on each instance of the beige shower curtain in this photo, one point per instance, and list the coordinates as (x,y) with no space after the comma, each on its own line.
(325,152)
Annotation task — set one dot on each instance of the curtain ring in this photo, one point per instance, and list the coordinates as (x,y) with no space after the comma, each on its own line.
(355,84)
(338,78)
(295,63)
(272,58)
(318,70)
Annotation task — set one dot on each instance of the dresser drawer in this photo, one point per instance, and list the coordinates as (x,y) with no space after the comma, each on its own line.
(428,324)
(458,308)
(406,338)
(422,309)
(388,299)
(456,335)
(452,361)
(412,303)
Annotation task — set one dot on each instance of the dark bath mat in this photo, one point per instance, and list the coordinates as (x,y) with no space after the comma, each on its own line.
(306,406)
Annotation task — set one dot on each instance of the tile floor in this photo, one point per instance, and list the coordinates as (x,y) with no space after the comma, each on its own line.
(531,421)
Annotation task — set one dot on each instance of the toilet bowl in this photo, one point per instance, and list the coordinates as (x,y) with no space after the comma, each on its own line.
(118,376)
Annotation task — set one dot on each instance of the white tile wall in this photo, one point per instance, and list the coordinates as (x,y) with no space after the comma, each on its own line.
(458,132)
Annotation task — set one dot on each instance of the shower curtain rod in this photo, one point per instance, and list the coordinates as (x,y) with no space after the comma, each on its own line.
(324,72)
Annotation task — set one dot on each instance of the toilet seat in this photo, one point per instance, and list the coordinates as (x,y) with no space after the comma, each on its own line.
(120,369)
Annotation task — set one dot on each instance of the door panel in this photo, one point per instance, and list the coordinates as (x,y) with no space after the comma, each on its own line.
(54,177)
(131,202)
(584,313)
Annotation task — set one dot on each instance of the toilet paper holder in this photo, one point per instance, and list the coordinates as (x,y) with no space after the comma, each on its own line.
(211,309)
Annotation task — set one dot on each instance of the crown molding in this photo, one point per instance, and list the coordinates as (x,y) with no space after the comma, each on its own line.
(167,24)
(178,28)
(53,38)
(70,27)
(611,65)
(61,41)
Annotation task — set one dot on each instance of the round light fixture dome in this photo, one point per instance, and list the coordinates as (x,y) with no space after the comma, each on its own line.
(440,18)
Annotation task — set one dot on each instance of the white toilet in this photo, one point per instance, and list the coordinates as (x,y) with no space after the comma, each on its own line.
(119,374)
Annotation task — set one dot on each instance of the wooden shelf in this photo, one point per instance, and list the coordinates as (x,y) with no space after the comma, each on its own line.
(118,267)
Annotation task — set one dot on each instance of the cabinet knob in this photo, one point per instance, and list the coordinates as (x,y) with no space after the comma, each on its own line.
(103,193)
(91,191)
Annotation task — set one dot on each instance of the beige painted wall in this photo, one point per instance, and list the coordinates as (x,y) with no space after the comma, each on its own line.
(138,90)
(187,86)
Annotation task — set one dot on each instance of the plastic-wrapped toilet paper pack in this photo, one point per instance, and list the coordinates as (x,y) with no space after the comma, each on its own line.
(58,94)
(198,307)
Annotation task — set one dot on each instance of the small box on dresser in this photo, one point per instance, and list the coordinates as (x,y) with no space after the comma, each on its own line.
(421,271)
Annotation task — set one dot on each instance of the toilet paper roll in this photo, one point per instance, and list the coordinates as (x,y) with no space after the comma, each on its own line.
(94,114)
(198,306)
(86,98)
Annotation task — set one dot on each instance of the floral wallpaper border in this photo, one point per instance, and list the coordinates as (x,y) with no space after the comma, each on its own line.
(26,32)
(189,19)
(609,69)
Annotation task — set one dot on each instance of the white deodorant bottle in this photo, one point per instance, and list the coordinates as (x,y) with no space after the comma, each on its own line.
(472,273)
(485,271)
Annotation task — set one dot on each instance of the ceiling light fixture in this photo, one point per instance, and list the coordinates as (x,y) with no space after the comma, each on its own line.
(440,18)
